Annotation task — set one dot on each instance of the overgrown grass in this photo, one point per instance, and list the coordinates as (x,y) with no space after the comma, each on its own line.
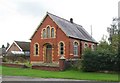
(68,74)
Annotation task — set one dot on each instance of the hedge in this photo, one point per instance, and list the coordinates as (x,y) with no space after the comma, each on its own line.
(100,61)
(15,59)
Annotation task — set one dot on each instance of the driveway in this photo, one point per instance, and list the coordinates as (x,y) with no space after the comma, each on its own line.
(42,80)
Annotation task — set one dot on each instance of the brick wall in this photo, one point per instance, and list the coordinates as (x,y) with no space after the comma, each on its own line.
(45,68)
(60,36)
(13,48)
(13,65)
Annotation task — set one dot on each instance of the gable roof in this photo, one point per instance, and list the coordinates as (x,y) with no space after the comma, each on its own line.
(25,46)
(22,45)
(70,29)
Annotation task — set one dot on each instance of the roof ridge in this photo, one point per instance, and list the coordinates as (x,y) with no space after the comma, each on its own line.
(21,41)
(70,29)
(63,19)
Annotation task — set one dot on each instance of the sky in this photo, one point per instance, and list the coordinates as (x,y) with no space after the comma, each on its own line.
(20,18)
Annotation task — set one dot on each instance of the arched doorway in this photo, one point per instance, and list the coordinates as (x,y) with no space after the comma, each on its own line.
(48,53)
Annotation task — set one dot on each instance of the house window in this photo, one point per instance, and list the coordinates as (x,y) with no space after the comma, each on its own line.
(93,47)
(85,45)
(44,33)
(36,49)
(52,32)
(61,48)
(48,32)
(75,49)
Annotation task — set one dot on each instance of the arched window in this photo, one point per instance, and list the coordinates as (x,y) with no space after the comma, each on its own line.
(93,47)
(75,49)
(48,32)
(61,48)
(36,49)
(85,45)
(44,33)
(52,32)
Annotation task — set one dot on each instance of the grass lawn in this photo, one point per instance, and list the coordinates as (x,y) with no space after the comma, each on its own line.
(68,74)
(0,70)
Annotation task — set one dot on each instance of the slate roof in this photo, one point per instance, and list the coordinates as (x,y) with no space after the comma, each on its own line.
(70,29)
(25,46)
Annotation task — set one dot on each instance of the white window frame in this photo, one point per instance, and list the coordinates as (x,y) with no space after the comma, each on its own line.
(59,49)
(48,32)
(44,35)
(85,45)
(35,49)
(75,48)
(93,47)
(52,33)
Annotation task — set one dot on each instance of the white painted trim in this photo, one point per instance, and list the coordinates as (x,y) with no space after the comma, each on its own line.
(18,46)
(9,47)
(75,41)
(15,44)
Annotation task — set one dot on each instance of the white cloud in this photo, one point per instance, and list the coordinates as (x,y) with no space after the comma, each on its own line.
(19,18)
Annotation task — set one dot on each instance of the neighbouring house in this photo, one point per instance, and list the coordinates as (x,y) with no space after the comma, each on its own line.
(57,37)
(2,52)
(19,48)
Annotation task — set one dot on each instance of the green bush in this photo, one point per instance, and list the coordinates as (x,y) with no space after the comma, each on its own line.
(89,62)
(16,59)
(100,61)
(76,65)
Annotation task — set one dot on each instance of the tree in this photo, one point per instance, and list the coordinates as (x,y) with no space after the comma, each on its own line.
(112,31)
(3,46)
(7,45)
(103,44)
(113,35)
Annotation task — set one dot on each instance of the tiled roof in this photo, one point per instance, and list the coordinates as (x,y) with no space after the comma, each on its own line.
(71,29)
(25,46)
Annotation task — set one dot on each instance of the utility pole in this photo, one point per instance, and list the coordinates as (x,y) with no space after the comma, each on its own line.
(91,30)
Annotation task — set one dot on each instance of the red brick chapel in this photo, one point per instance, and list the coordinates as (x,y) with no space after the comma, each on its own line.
(56,37)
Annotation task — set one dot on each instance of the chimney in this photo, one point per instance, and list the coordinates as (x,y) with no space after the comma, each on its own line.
(71,20)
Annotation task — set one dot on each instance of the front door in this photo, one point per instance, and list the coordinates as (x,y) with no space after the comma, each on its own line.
(48,53)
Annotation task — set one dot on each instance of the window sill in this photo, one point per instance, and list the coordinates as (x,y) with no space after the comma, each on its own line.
(49,38)
(36,55)
(76,56)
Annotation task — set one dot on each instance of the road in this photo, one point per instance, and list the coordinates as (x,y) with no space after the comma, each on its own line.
(19,79)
